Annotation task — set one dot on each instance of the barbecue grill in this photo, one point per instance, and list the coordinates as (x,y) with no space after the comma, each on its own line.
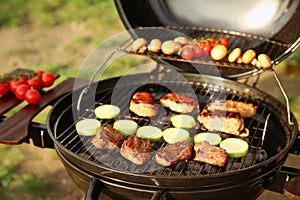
(273,130)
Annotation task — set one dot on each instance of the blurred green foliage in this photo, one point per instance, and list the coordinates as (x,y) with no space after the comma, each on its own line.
(53,12)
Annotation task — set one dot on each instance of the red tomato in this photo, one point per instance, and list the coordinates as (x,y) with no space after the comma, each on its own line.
(35,82)
(3,89)
(177,47)
(207,48)
(211,40)
(14,84)
(32,96)
(48,79)
(8,79)
(22,77)
(223,41)
(21,90)
(38,72)
(198,51)
(187,53)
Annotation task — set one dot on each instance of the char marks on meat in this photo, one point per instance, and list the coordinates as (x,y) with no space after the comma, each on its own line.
(136,149)
(107,138)
(204,152)
(245,109)
(174,153)
(142,104)
(179,103)
(227,122)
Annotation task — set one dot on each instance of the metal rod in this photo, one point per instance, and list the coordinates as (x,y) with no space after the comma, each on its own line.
(285,97)
(265,130)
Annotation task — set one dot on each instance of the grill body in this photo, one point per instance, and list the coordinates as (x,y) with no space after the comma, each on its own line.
(181,183)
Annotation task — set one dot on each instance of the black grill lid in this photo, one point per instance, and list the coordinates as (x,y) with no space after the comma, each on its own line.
(274,21)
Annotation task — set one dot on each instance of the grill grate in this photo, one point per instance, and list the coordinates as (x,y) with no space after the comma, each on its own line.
(82,147)
(275,49)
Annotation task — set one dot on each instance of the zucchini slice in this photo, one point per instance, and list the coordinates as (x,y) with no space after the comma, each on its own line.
(235,147)
(126,127)
(211,138)
(149,132)
(173,135)
(183,121)
(88,127)
(107,111)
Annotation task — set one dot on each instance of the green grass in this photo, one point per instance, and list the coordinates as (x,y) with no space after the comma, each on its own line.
(54,12)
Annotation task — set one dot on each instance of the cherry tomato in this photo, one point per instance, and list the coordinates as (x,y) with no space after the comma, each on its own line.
(223,41)
(187,53)
(177,47)
(14,84)
(48,79)
(38,72)
(198,51)
(211,40)
(8,79)
(21,90)
(3,89)
(35,82)
(207,48)
(22,77)
(32,96)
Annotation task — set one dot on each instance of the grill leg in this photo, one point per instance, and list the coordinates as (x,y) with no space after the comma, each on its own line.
(94,189)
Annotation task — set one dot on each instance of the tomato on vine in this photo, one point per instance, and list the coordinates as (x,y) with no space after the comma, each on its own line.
(21,90)
(187,53)
(32,96)
(3,89)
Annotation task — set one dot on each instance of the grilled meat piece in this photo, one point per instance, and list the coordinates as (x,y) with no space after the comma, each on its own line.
(174,153)
(108,138)
(142,104)
(227,122)
(136,149)
(245,109)
(204,152)
(179,103)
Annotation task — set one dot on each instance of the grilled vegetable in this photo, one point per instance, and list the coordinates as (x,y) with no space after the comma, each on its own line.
(265,61)
(107,111)
(212,138)
(169,47)
(139,45)
(234,55)
(173,135)
(149,132)
(235,147)
(183,121)
(248,56)
(88,127)
(181,40)
(155,45)
(218,52)
(126,127)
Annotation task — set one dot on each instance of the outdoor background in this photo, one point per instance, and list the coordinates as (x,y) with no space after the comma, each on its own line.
(56,36)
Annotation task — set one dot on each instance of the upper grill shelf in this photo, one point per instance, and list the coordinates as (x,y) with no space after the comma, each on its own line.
(268,26)
(204,64)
